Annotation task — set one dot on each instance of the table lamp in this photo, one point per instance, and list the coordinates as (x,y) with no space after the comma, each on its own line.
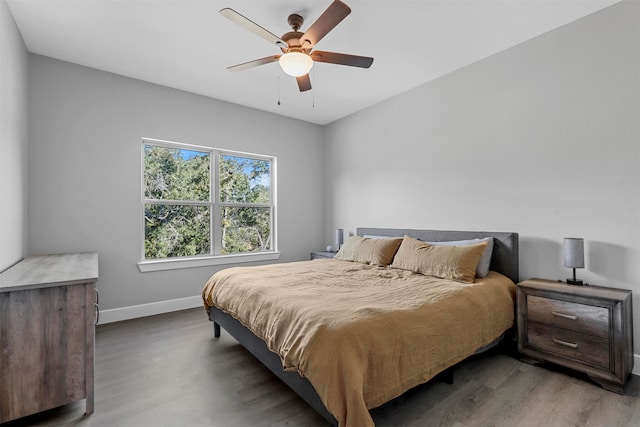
(574,257)
(339,237)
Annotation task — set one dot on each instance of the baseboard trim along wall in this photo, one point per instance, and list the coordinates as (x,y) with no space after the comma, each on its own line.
(161,307)
(143,310)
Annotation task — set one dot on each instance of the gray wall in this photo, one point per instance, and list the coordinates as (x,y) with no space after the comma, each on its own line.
(542,139)
(84,190)
(13,141)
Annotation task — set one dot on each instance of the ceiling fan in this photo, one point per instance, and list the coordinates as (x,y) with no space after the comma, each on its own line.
(298,55)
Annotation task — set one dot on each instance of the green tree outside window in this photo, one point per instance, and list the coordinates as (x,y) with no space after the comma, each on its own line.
(182,217)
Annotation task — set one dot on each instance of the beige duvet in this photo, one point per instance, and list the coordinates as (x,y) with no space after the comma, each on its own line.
(362,335)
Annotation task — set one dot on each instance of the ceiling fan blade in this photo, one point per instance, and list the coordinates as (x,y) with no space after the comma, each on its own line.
(331,17)
(342,59)
(254,63)
(304,83)
(245,22)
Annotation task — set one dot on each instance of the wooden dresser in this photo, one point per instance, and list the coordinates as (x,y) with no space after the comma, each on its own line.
(586,328)
(47,333)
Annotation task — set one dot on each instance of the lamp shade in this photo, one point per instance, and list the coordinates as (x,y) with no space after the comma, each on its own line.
(296,64)
(573,252)
(339,237)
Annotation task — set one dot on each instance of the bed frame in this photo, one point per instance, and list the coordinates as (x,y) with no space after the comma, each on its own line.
(504,260)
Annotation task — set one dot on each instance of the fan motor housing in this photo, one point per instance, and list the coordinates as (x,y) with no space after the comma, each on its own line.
(293,41)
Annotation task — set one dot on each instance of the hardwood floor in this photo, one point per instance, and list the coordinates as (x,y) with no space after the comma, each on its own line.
(168,370)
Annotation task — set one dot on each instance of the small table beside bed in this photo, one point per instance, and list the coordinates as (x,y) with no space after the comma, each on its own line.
(394,309)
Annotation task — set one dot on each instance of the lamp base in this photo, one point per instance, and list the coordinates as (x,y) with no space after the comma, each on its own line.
(575,282)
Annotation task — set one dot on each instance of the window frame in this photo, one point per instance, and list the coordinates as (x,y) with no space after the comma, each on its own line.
(214,257)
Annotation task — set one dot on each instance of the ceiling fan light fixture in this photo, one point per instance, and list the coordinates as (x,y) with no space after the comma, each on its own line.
(296,64)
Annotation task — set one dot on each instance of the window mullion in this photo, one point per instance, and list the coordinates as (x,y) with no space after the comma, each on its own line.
(245,205)
(176,202)
(216,229)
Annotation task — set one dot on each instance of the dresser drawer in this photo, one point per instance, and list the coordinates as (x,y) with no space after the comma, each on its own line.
(584,318)
(575,345)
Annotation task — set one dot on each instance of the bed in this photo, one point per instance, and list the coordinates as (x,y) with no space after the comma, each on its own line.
(325,352)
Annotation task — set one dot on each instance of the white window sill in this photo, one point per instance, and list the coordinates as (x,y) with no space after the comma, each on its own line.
(204,261)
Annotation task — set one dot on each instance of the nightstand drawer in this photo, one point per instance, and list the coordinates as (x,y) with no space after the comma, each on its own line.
(569,315)
(575,345)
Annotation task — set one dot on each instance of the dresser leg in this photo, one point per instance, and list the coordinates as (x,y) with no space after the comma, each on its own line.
(90,345)
(616,388)
(89,405)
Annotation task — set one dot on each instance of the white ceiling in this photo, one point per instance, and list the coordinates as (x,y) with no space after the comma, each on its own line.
(187,45)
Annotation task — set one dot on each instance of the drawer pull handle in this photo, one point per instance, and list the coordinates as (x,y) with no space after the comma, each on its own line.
(565,316)
(565,343)
(96,305)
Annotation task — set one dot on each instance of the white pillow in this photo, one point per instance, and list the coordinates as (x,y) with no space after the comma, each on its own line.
(485,260)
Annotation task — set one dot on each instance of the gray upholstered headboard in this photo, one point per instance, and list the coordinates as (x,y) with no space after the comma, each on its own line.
(505,245)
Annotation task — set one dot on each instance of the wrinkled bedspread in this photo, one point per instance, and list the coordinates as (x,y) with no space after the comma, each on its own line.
(363,335)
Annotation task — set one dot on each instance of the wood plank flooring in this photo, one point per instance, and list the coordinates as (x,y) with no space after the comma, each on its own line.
(168,370)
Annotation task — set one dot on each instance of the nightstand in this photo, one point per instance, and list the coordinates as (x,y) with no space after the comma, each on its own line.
(322,255)
(586,328)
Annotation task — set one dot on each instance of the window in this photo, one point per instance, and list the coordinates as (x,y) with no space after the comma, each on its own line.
(200,202)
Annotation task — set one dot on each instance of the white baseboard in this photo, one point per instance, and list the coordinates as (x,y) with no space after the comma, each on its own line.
(143,310)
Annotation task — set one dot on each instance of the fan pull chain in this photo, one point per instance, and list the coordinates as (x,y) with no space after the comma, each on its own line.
(278,90)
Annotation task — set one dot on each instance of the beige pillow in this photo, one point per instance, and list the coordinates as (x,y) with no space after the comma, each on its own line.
(369,251)
(447,262)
